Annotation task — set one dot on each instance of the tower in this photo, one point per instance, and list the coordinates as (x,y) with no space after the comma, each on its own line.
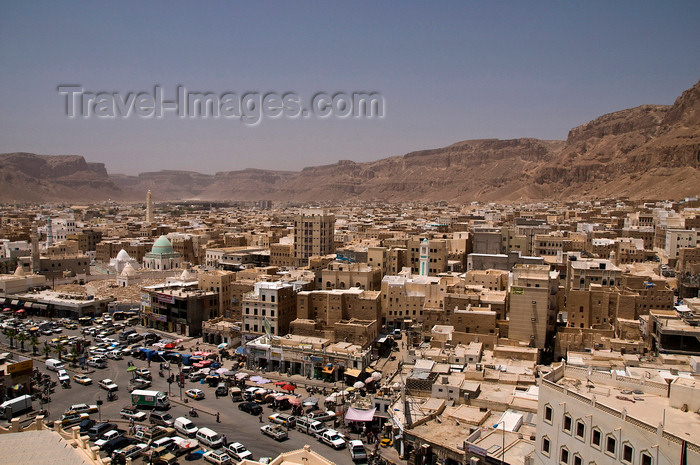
(314,234)
(424,258)
(34,237)
(49,233)
(149,207)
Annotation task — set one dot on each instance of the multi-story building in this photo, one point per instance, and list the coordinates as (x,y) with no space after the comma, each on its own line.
(589,417)
(582,272)
(271,306)
(219,281)
(533,305)
(87,239)
(677,239)
(178,307)
(313,235)
(347,275)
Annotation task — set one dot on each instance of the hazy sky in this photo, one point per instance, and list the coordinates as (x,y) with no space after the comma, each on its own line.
(448,71)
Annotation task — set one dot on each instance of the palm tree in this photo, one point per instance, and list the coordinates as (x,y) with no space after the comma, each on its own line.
(74,356)
(11,334)
(21,338)
(34,342)
(59,349)
(46,350)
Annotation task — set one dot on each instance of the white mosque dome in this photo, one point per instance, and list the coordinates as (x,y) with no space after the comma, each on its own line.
(20,270)
(128,271)
(123,256)
(186,276)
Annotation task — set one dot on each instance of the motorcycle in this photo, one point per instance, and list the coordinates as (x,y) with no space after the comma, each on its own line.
(160,373)
(193,413)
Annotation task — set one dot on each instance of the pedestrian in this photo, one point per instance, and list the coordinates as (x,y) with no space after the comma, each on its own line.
(217,417)
(260,417)
(223,439)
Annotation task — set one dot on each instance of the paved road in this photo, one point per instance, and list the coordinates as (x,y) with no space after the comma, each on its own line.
(235,424)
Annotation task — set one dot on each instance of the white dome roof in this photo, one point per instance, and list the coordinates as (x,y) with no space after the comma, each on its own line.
(20,270)
(123,256)
(128,271)
(186,275)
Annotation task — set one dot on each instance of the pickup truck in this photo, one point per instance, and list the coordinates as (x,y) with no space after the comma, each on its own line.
(133,412)
(332,438)
(274,431)
(153,434)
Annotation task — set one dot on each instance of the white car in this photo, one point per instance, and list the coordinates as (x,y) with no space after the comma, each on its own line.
(196,394)
(108,436)
(218,457)
(239,452)
(84,408)
(332,438)
(63,376)
(115,354)
(108,385)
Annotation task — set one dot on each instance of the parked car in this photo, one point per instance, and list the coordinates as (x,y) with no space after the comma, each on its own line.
(144,374)
(161,418)
(274,431)
(132,412)
(250,407)
(84,408)
(108,385)
(196,394)
(82,379)
(133,451)
(85,426)
(197,376)
(239,452)
(332,438)
(322,416)
(73,418)
(218,457)
(358,453)
(283,419)
(108,436)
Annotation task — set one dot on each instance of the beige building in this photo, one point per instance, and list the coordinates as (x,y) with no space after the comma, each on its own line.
(347,275)
(533,305)
(220,281)
(677,239)
(313,234)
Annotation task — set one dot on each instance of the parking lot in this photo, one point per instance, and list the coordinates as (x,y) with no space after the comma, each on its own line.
(234,424)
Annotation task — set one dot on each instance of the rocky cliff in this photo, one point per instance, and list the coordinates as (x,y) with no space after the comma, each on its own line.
(651,151)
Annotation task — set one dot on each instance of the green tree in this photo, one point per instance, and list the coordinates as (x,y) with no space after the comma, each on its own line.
(59,349)
(46,350)
(34,342)
(22,338)
(11,334)
(74,356)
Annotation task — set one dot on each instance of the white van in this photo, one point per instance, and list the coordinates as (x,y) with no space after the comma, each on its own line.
(209,437)
(309,426)
(53,364)
(185,426)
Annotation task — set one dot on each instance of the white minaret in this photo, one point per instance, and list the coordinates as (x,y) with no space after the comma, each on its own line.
(424,257)
(149,207)
(35,263)
(49,233)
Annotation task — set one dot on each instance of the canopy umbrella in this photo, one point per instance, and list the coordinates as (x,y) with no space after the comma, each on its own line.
(240,350)
(170,345)
(240,376)
(131,368)
(376,376)
(310,401)
(262,381)
(223,345)
(280,383)
(256,378)
(6,309)
(289,387)
(228,373)
(221,371)
(21,310)
(358,385)
(294,400)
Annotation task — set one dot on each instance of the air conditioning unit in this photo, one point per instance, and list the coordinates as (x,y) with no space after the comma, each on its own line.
(474,461)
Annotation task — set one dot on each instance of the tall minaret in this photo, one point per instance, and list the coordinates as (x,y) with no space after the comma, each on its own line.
(34,237)
(149,207)
(424,257)
(49,233)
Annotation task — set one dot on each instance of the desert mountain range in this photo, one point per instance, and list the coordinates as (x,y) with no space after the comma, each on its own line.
(650,151)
